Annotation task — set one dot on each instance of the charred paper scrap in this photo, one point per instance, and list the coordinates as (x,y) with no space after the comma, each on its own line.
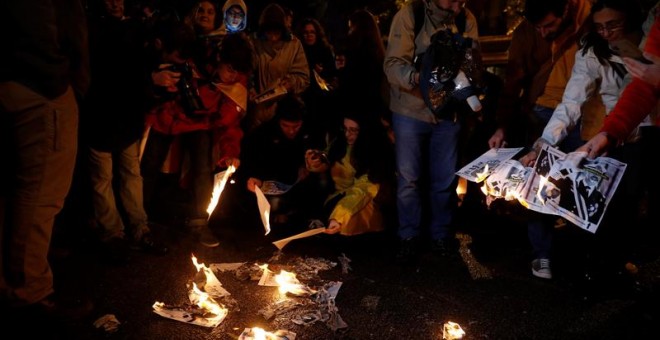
(307,310)
(345,263)
(108,322)
(203,310)
(249,271)
(309,268)
(190,314)
(260,334)
(225,267)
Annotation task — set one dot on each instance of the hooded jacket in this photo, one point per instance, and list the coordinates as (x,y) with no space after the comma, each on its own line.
(403,46)
(224,29)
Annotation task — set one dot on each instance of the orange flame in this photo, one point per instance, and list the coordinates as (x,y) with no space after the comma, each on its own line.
(452,330)
(288,283)
(218,187)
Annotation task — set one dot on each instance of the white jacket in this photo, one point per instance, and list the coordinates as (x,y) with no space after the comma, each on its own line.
(588,75)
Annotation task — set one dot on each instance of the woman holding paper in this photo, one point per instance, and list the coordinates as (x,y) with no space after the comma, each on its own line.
(598,70)
(361,165)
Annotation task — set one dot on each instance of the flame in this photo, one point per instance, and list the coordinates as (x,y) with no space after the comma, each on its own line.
(204,301)
(481,176)
(288,283)
(542,183)
(218,187)
(461,188)
(258,333)
(452,330)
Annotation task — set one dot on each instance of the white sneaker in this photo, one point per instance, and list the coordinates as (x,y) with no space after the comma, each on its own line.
(541,268)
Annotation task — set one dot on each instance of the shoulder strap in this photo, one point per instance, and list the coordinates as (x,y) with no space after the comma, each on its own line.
(461,22)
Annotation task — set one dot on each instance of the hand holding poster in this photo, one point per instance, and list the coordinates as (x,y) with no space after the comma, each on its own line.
(569,185)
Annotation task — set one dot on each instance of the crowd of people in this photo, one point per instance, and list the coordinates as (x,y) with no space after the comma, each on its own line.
(346,127)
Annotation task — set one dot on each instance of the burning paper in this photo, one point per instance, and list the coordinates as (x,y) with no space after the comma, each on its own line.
(203,310)
(256,333)
(452,330)
(211,283)
(190,314)
(288,283)
(285,281)
(568,185)
(487,164)
(283,242)
(264,208)
(219,182)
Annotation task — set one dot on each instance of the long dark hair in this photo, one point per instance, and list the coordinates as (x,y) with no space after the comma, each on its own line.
(373,153)
(321,38)
(633,22)
(365,38)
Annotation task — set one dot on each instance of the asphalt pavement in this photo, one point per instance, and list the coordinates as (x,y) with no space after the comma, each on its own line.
(487,287)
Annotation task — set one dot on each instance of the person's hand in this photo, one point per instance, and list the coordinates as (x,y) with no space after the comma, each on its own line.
(166,78)
(252,182)
(318,68)
(232,162)
(333,227)
(529,159)
(315,161)
(497,139)
(596,146)
(649,73)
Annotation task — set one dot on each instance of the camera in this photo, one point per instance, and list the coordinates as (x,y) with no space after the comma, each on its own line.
(190,99)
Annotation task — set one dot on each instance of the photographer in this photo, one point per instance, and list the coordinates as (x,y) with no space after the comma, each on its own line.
(209,133)
(422,138)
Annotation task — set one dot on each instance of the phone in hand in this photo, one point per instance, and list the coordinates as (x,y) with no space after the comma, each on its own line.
(627,48)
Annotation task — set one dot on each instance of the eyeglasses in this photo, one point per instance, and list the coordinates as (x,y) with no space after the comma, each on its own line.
(609,28)
(350,130)
(236,14)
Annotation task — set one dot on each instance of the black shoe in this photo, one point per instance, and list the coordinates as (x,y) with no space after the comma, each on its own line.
(407,251)
(200,228)
(149,245)
(115,251)
(445,247)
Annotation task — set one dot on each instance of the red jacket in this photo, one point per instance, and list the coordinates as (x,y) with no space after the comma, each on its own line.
(638,98)
(222,116)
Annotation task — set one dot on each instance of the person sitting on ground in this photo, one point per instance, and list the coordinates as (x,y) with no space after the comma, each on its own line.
(361,164)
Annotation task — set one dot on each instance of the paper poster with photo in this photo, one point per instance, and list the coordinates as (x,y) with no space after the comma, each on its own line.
(534,190)
(508,181)
(568,185)
(586,190)
(480,168)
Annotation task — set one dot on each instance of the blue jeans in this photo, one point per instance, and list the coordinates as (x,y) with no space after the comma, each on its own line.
(540,228)
(418,143)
